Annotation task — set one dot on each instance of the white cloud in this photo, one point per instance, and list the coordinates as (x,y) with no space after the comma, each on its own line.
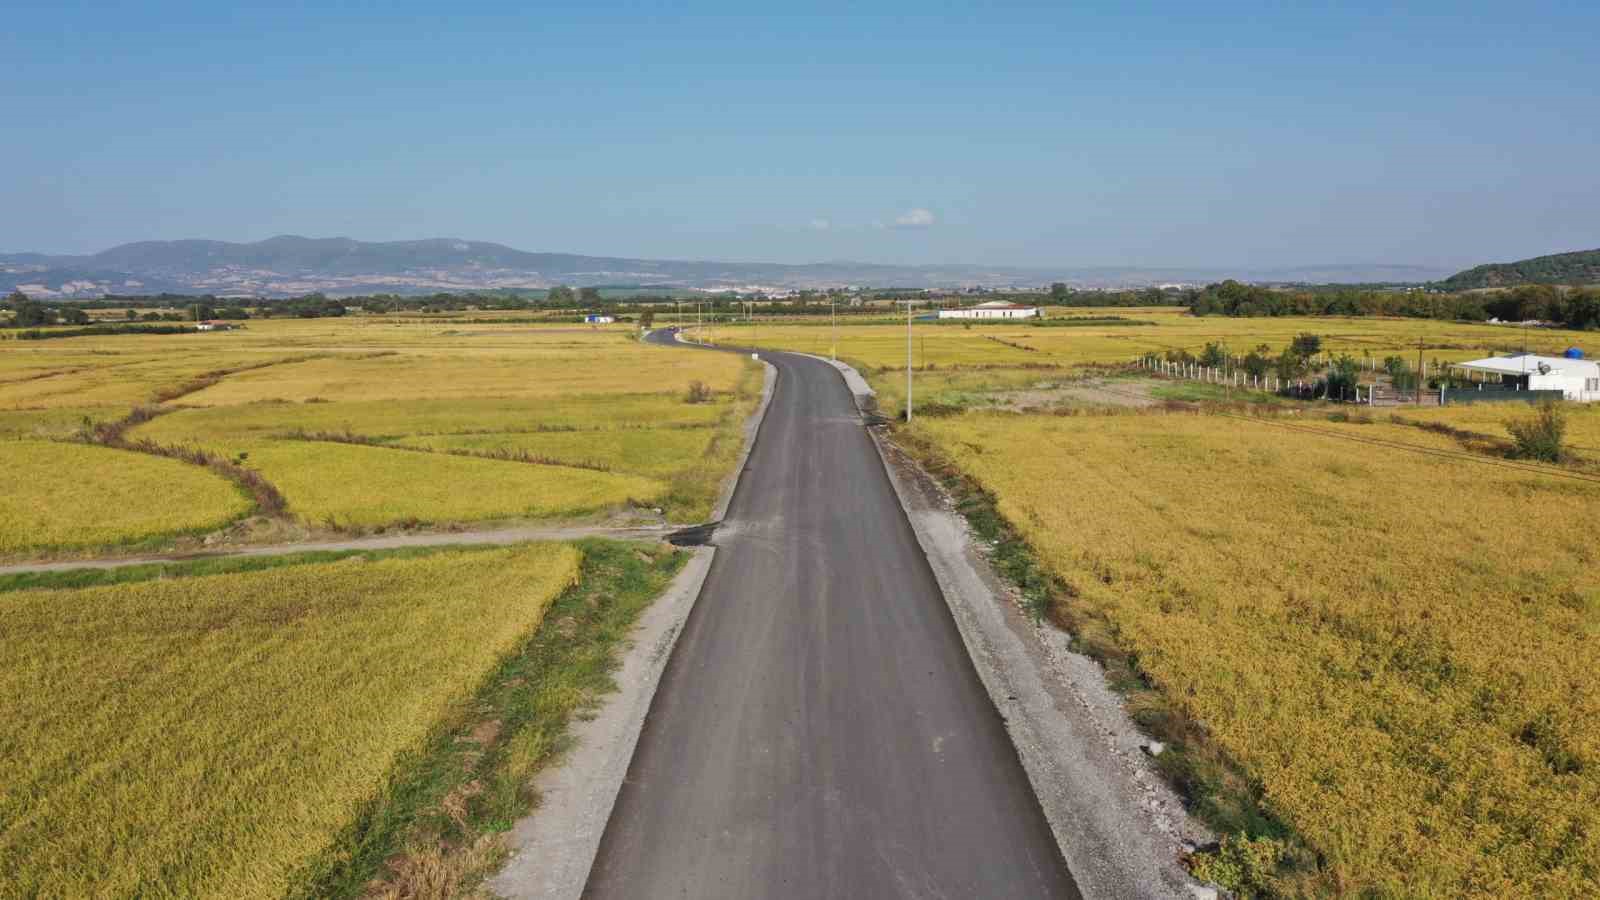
(915,218)
(820,225)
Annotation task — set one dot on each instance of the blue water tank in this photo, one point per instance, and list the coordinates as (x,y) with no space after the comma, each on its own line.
(1573,353)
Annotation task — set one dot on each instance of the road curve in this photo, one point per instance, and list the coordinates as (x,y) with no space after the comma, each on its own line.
(819,730)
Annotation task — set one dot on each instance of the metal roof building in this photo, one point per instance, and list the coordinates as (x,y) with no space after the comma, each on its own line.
(1577,379)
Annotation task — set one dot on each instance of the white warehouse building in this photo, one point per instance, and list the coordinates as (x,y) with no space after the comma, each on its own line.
(994,309)
(1576,379)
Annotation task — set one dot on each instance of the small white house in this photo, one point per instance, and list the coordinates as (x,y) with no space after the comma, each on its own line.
(1576,379)
(994,309)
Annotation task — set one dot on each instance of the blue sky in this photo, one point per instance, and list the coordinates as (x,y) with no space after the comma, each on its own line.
(1049,134)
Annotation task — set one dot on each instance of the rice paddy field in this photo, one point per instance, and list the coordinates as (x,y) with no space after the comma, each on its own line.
(213,736)
(1401,649)
(961,356)
(55,495)
(363,423)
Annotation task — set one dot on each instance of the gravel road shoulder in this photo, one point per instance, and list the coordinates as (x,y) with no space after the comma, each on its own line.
(1121,828)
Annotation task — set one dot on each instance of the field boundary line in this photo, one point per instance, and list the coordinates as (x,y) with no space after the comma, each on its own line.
(209,379)
(498,536)
(1454,455)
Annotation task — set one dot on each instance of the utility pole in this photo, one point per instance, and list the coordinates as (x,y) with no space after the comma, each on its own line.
(909,304)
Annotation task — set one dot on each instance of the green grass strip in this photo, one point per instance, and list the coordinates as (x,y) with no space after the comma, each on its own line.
(437,825)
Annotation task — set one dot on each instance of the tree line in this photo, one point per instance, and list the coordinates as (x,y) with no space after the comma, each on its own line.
(1570,307)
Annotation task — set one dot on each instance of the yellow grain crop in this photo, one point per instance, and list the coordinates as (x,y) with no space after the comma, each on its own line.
(359,486)
(229,428)
(75,495)
(1403,649)
(205,737)
(411,379)
(657,452)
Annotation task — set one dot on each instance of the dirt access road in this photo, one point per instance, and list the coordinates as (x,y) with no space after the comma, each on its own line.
(819,730)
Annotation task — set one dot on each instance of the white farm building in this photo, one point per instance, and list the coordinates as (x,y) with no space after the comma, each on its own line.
(1576,379)
(994,309)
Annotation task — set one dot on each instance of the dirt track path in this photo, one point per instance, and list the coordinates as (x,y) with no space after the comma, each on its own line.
(376,542)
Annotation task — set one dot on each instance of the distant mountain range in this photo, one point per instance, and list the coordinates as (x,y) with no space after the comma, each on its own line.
(288,265)
(1580,267)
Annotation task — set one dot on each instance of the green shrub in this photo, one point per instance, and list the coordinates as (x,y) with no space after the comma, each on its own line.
(1242,864)
(1541,435)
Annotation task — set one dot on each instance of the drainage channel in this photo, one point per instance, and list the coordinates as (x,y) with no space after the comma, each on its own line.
(693,536)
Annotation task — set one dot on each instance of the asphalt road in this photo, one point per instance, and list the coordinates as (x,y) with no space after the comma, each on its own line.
(819,730)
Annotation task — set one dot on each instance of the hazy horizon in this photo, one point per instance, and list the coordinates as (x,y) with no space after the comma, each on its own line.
(710,258)
(1147,138)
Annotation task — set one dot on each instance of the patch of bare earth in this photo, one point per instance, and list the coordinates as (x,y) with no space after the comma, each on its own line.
(1131,393)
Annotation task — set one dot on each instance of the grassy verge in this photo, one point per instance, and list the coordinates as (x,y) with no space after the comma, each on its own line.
(435,831)
(1257,848)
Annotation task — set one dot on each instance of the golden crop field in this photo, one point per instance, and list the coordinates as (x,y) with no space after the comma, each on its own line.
(230,427)
(1583,421)
(651,451)
(256,395)
(66,496)
(54,423)
(209,736)
(1401,648)
(354,486)
(880,349)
